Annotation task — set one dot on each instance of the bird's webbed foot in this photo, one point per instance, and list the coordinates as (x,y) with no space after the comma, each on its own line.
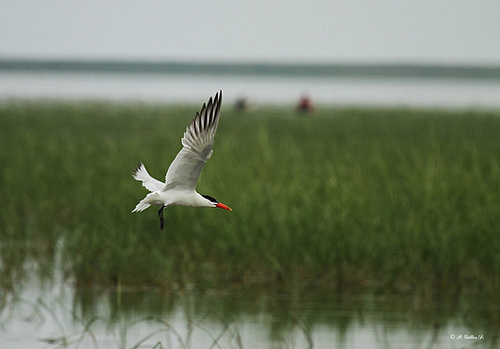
(162,220)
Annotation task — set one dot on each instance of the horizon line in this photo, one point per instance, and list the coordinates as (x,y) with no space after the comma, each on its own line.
(255,67)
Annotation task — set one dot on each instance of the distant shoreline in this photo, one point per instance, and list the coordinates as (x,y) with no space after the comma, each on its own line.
(428,71)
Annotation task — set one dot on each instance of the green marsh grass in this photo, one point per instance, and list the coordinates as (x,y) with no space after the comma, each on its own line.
(394,200)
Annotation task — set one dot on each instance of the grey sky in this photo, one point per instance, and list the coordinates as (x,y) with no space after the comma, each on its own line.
(437,31)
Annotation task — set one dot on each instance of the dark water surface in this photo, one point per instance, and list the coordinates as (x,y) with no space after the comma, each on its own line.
(62,316)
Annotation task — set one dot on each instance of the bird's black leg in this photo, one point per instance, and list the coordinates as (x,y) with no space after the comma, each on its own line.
(162,220)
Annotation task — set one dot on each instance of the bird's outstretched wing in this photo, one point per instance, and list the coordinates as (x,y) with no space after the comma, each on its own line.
(198,141)
(141,174)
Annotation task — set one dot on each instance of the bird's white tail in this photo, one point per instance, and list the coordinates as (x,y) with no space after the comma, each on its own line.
(141,206)
(153,185)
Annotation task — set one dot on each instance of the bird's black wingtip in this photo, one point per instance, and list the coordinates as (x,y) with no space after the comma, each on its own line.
(137,168)
(213,101)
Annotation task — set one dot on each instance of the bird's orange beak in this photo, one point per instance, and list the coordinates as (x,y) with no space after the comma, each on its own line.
(219,205)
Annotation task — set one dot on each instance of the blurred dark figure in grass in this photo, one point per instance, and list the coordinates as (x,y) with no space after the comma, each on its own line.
(241,103)
(305,104)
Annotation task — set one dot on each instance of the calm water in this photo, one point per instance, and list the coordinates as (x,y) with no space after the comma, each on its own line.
(389,91)
(61,316)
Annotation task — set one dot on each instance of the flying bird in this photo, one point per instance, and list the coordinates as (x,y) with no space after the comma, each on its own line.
(179,188)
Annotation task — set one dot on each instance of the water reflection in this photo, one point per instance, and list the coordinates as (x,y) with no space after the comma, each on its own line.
(240,318)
